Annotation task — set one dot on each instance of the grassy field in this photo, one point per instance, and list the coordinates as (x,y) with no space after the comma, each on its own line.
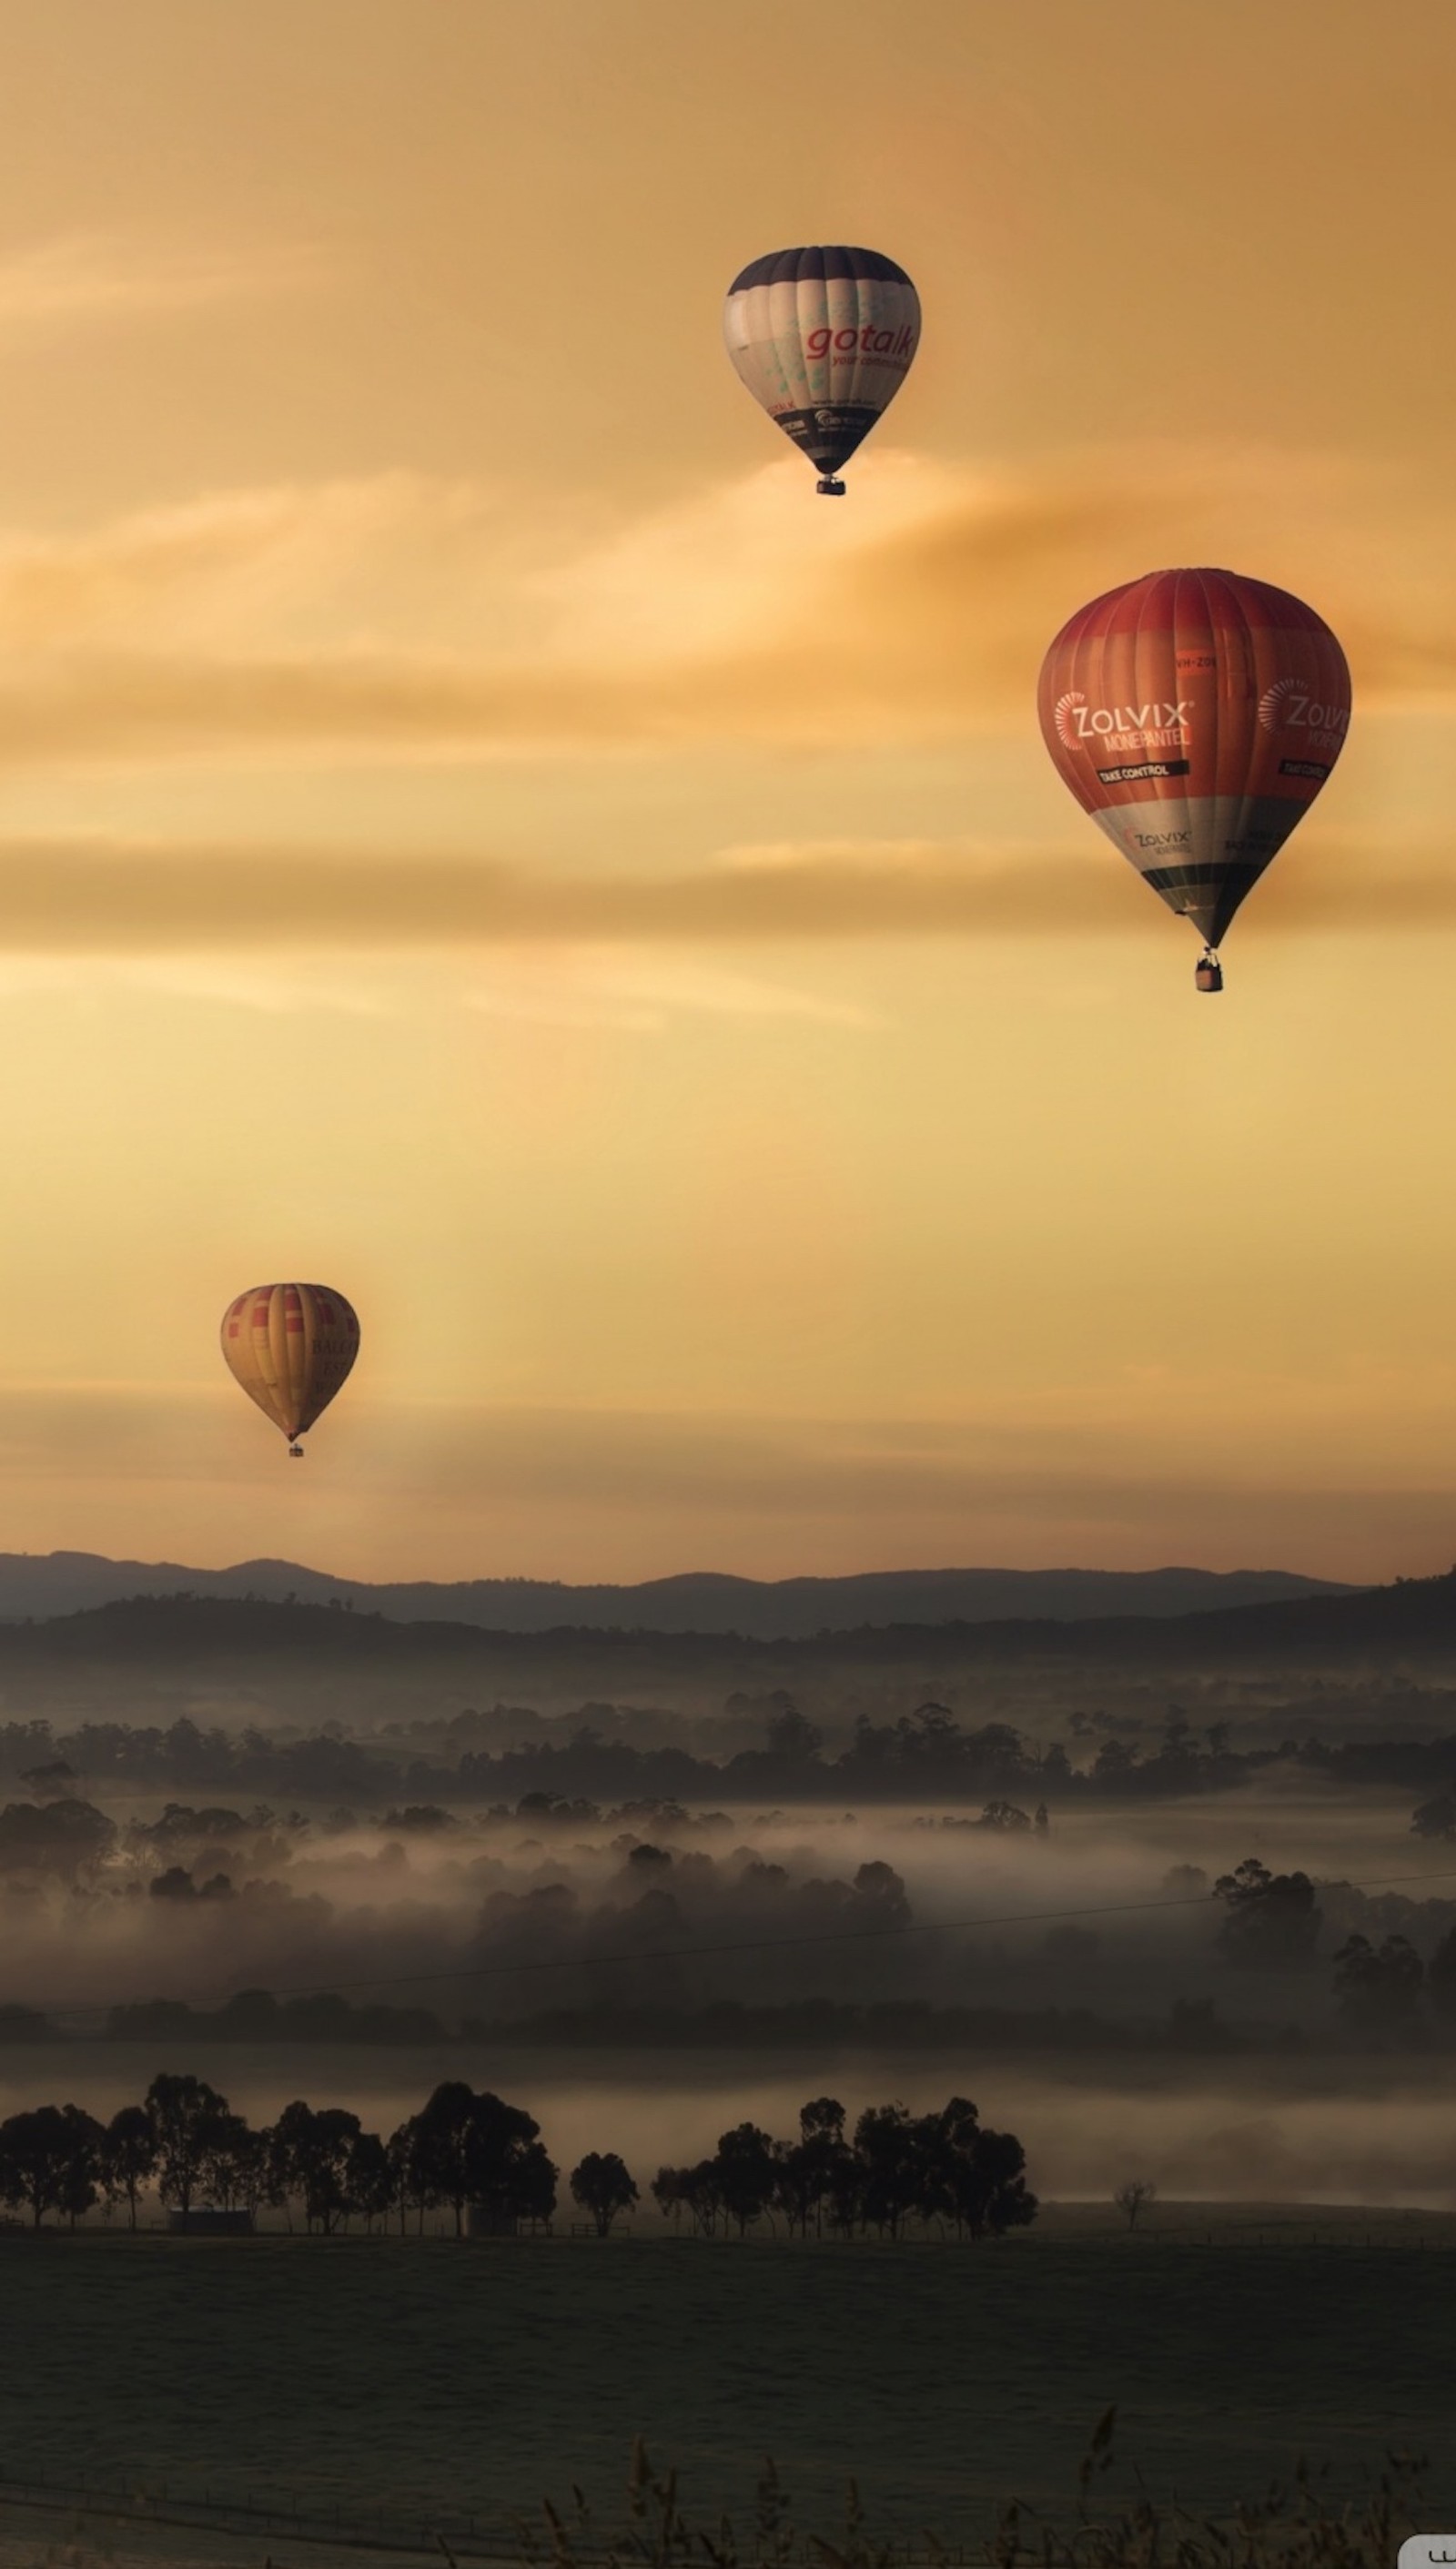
(422,2375)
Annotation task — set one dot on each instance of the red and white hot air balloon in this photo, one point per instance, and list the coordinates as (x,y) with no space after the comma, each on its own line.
(290,1347)
(1196,714)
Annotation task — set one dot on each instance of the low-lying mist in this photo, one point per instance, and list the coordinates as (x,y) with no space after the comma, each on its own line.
(502,1917)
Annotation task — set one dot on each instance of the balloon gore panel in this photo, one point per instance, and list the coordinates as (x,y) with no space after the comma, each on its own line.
(822,338)
(290,1347)
(1196,714)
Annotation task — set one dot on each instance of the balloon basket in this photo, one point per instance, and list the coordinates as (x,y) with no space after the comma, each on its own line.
(295,1453)
(828,487)
(1209,975)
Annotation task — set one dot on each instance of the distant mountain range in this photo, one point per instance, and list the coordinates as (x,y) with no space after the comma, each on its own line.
(152,1657)
(38,1585)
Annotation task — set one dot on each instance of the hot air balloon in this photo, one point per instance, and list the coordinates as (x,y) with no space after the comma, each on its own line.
(824,339)
(290,1347)
(1195,715)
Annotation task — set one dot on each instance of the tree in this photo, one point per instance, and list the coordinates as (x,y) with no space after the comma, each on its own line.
(697,2190)
(1379,1989)
(666,2192)
(476,2150)
(969,2175)
(603,2187)
(747,2166)
(79,2187)
(314,2157)
(886,2147)
(129,2152)
(792,1735)
(807,2168)
(38,2158)
(409,2171)
(1441,1977)
(187,2117)
(1134,2197)
(1272,1920)
(1435,1819)
(370,2180)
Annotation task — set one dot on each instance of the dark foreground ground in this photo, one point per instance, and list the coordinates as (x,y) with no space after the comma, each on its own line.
(407,2378)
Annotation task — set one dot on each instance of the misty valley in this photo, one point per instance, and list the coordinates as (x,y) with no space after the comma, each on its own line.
(921,1980)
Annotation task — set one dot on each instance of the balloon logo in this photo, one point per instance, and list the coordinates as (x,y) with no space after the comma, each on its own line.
(290,1347)
(1196,714)
(822,338)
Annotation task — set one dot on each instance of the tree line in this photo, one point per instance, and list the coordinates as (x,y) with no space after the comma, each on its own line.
(927,1754)
(483,2162)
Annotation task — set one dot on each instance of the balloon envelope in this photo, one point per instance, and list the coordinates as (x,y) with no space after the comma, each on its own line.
(822,338)
(290,1347)
(1196,714)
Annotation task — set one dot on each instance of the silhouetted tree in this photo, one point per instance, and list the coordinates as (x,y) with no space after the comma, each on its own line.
(1133,2198)
(409,2172)
(478,2150)
(807,2169)
(129,2152)
(1441,1977)
(370,2180)
(37,2151)
(312,2158)
(1437,1818)
(79,2184)
(891,2176)
(1379,1990)
(235,2172)
(747,2166)
(1272,1920)
(187,2117)
(972,2176)
(792,1735)
(697,2190)
(66,1837)
(603,2186)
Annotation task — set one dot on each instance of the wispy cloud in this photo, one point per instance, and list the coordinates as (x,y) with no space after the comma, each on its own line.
(644,994)
(397,618)
(70,897)
(86,279)
(537,1482)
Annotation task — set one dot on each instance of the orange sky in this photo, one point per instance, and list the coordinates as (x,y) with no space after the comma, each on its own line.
(475,830)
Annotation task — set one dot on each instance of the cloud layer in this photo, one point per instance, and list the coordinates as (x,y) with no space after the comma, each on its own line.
(398,618)
(77,898)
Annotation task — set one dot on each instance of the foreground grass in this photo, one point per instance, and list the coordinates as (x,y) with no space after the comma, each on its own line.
(1290,2527)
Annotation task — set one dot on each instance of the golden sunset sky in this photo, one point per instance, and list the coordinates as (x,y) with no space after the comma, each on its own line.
(474,831)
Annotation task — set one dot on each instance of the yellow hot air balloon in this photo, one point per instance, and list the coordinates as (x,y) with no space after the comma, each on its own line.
(290,1347)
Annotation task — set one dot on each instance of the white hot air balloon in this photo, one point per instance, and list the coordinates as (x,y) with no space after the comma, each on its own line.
(822,338)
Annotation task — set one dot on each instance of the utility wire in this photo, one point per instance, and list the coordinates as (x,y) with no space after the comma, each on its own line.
(486,1971)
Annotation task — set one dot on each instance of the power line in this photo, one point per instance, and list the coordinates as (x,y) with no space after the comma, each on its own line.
(486,1971)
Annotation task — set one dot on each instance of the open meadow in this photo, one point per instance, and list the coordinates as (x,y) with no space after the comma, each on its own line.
(410,2381)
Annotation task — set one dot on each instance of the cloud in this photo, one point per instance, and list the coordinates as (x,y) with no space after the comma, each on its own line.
(77,897)
(290,559)
(395,619)
(556,1491)
(640,994)
(87,279)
